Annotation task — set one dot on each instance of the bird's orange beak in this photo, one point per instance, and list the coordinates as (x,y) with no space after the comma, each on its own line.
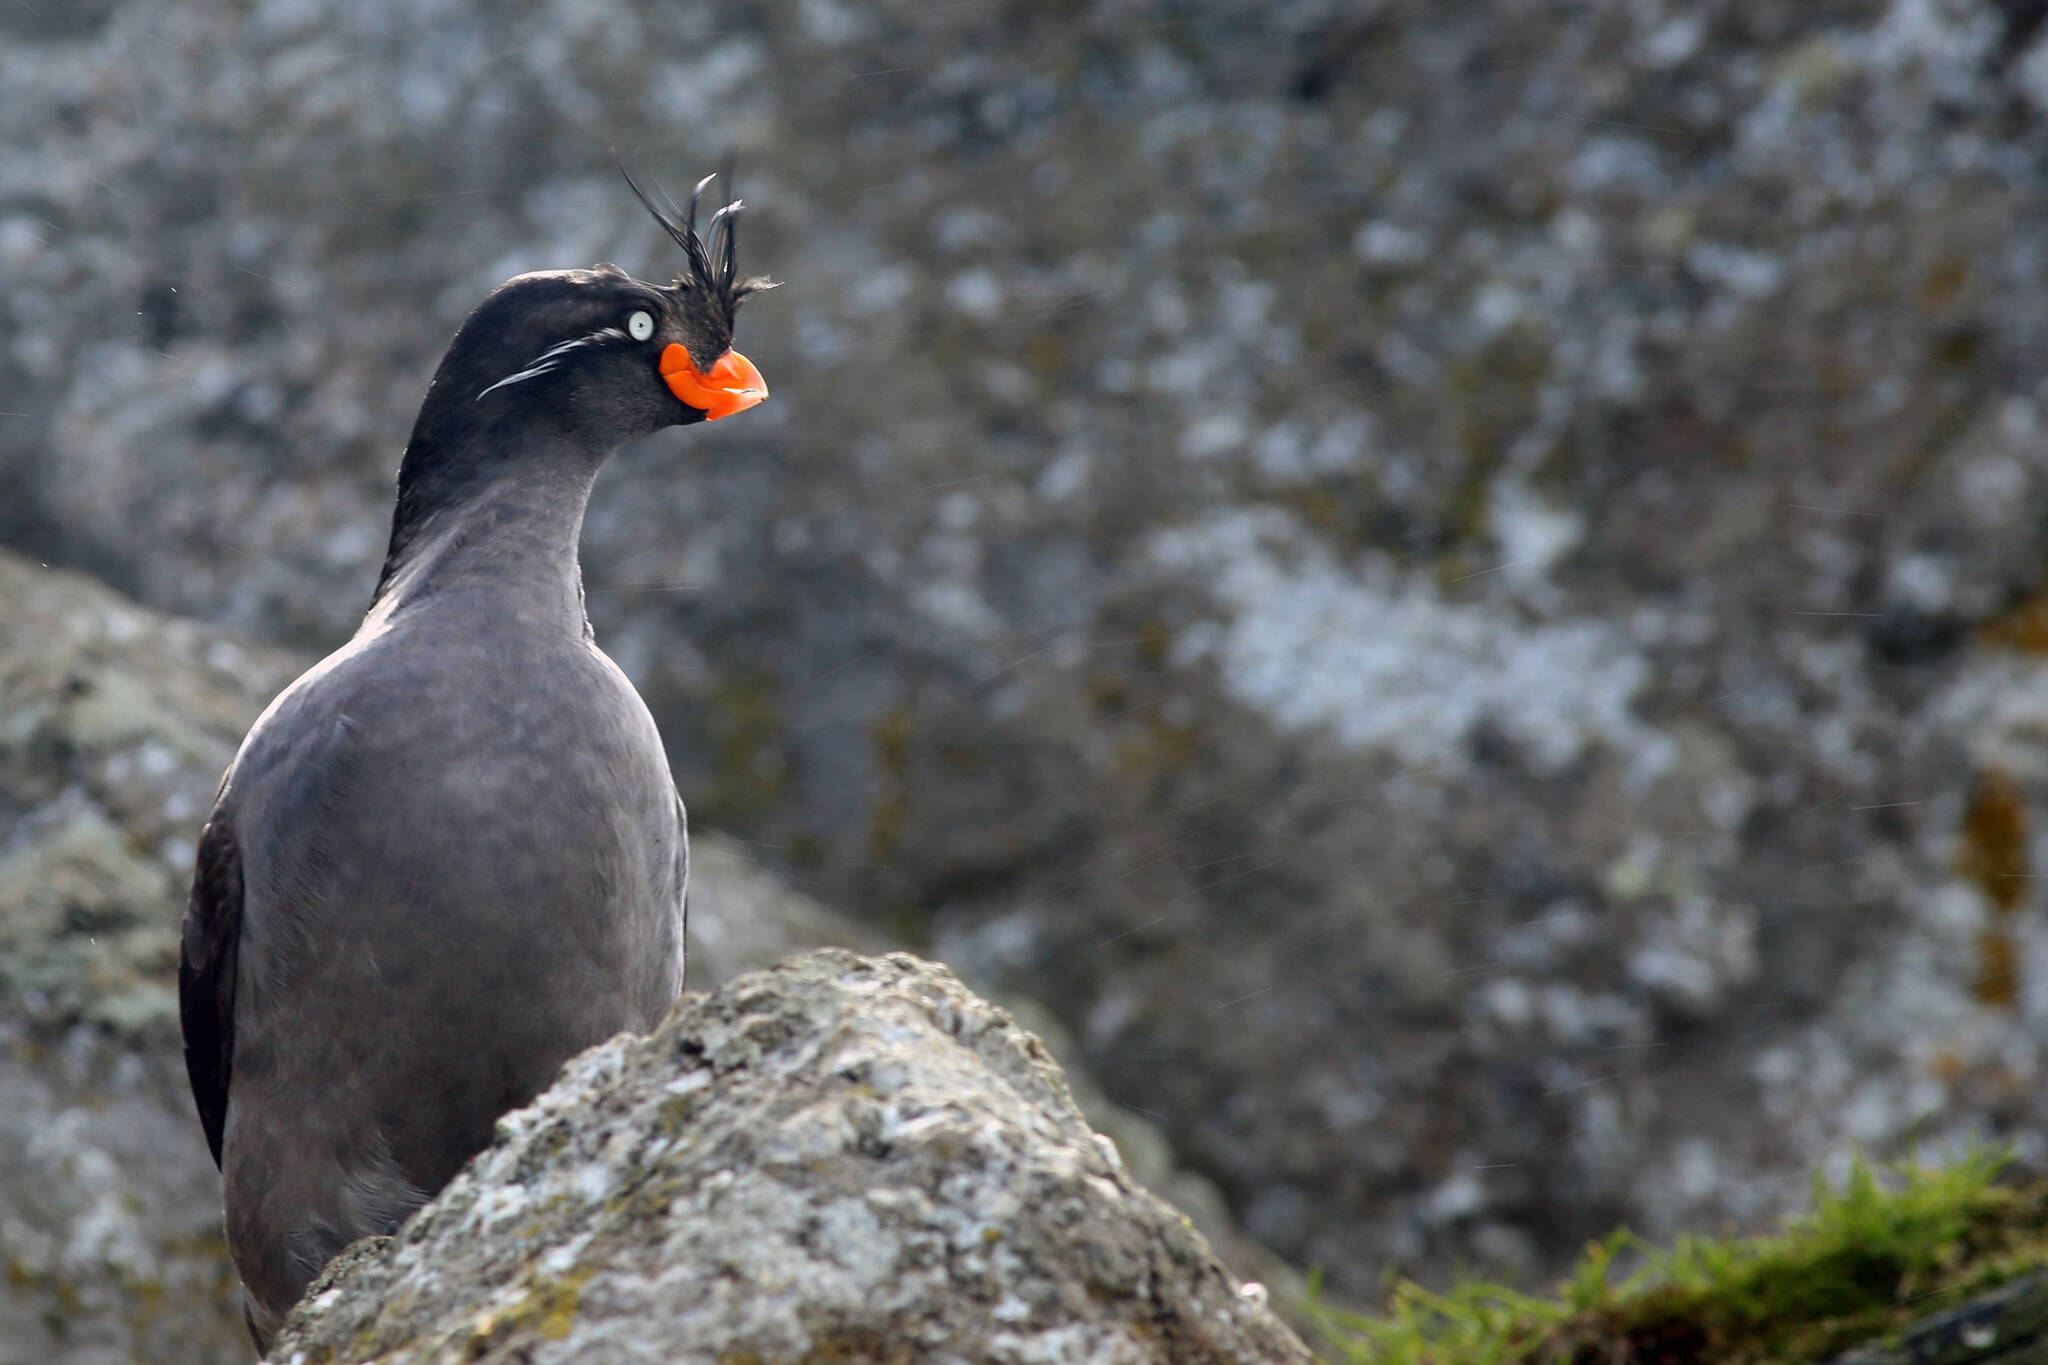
(731,385)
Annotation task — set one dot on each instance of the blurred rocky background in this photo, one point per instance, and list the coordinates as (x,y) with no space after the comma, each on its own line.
(1459,589)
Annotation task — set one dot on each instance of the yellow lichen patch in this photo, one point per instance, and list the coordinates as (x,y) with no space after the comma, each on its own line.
(1994,856)
(1045,357)
(558,1305)
(2022,626)
(1940,286)
(1998,969)
(548,1309)
(1994,847)
(1155,641)
(962,757)
(858,1346)
(1107,691)
(1160,746)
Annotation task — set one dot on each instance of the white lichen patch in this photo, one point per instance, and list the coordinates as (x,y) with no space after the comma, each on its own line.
(1383,660)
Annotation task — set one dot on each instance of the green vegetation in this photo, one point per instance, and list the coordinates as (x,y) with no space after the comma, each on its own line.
(1871,1257)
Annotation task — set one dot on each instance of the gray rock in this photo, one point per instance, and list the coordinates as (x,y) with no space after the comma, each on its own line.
(2006,1326)
(115,724)
(744,919)
(841,1158)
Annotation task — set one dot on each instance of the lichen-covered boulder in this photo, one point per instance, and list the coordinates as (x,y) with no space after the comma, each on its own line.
(115,723)
(839,1159)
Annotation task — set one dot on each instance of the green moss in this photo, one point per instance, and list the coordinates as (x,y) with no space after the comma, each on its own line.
(1868,1259)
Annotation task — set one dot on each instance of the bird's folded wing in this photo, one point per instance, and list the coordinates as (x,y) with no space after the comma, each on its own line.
(206,973)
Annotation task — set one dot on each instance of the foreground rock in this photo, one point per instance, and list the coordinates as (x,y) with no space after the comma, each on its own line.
(2006,1326)
(842,1158)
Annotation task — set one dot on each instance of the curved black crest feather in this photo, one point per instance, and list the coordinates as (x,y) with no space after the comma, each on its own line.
(712,267)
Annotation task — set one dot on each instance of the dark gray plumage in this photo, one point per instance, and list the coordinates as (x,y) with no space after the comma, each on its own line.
(451,855)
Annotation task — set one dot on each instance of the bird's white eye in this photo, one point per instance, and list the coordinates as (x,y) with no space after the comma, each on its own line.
(641,325)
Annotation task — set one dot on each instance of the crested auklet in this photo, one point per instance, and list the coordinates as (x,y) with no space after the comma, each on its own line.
(451,855)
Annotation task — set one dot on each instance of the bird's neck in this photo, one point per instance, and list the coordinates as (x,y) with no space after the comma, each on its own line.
(494,529)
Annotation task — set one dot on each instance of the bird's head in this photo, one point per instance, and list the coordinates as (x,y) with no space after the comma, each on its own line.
(555,370)
(601,352)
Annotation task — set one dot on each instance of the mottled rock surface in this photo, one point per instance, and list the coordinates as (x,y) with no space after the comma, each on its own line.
(1459,587)
(838,1159)
(115,725)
